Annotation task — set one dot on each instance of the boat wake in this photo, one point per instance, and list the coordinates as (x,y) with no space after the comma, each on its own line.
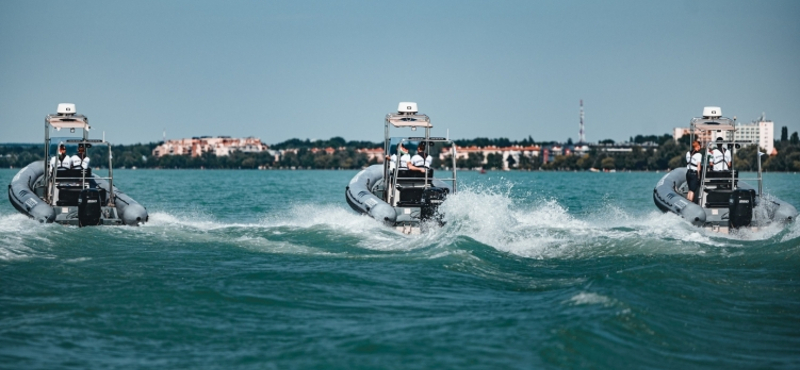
(480,222)
(545,229)
(19,236)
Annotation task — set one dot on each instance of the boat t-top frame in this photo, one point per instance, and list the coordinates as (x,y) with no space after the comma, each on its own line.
(715,126)
(67,119)
(407,116)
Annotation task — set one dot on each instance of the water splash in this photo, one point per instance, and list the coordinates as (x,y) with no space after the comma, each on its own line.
(22,238)
(545,229)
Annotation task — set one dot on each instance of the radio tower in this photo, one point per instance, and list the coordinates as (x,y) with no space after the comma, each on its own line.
(582,139)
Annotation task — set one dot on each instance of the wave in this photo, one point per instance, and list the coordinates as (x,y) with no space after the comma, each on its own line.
(481,221)
(544,228)
(22,238)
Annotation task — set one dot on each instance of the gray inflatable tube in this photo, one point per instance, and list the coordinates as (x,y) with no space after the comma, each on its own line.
(668,200)
(23,198)
(21,195)
(361,199)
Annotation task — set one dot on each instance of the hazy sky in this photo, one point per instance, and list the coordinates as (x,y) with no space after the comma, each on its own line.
(313,69)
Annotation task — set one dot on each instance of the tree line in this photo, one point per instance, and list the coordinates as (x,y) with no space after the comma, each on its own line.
(664,153)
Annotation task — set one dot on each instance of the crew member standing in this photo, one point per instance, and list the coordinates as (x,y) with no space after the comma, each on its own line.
(693,171)
(721,157)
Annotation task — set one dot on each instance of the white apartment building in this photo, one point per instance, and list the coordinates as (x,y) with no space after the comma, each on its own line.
(759,132)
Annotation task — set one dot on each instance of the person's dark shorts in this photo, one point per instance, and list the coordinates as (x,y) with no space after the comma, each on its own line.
(692,180)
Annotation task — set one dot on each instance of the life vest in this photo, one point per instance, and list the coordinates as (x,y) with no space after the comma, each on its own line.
(64,162)
(720,164)
(694,161)
(421,160)
(78,162)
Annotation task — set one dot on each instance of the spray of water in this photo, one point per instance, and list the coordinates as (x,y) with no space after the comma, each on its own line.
(534,227)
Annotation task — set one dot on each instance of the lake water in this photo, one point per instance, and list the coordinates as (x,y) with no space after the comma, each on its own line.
(272,270)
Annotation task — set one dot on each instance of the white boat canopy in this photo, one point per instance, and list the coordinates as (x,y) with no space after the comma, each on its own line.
(69,121)
(409,120)
(713,124)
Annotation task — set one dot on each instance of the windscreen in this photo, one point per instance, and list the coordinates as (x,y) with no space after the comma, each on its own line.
(410,145)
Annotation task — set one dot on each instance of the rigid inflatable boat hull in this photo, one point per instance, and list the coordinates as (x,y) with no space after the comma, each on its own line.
(668,199)
(22,196)
(360,197)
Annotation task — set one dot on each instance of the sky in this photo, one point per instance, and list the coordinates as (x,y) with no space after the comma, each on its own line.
(319,69)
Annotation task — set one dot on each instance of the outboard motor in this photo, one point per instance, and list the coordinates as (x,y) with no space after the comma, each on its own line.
(432,198)
(89,207)
(741,206)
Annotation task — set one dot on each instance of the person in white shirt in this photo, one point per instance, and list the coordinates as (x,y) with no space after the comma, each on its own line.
(61,160)
(721,157)
(404,158)
(422,160)
(693,170)
(80,160)
(727,157)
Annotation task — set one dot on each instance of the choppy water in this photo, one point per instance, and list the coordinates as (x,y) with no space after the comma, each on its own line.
(271,269)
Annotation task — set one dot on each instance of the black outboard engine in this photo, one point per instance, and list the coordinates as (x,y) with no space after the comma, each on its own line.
(431,199)
(89,207)
(741,206)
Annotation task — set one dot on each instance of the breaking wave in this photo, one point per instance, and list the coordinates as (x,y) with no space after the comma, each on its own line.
(478,218)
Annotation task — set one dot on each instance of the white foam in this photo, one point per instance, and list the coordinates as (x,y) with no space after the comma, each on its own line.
(546,229)
(260,244)
(78,260)
(310,215)
(538,230)
(584,298)
(18,235)
(793,232)
(193,220)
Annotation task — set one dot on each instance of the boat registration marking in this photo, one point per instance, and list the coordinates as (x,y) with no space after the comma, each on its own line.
(31,203)
(64,210)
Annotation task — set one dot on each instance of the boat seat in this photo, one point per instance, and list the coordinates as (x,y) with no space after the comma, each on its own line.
(410,186)
(68,195)
(72,175)
(721,177)
(717,198)
(721,174)
(410,196)
(408,177)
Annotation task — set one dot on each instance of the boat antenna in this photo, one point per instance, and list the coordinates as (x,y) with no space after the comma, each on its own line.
(582,138)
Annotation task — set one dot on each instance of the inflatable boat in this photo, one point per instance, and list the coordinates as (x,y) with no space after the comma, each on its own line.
(397,193)
(723,202)
(65,190)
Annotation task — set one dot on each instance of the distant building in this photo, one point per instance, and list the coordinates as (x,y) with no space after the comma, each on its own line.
(760,131)
(702,136)
(373,153)
(679,132)
(221,146)
(514,151)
